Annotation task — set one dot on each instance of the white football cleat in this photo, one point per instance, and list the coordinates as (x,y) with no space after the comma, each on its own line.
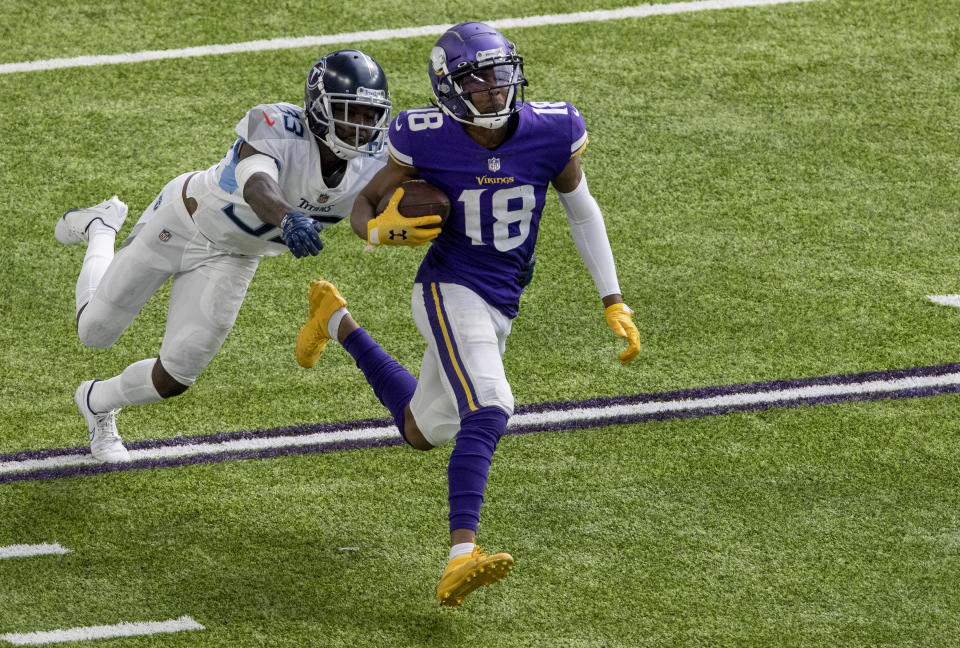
(105,442)
(72,226)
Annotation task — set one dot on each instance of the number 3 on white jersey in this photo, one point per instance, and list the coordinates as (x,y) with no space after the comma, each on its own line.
(510,227)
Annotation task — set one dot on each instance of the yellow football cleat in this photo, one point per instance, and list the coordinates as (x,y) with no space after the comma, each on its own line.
(466,573)
(324,300)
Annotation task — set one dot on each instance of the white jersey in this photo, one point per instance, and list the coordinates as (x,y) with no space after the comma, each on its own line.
(280,131)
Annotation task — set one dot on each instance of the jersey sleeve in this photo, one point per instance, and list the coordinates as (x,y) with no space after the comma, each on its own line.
(578,132)
(398,141)
(270,128)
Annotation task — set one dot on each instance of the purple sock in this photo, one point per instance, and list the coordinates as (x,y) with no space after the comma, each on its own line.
(391,382)
(470,463)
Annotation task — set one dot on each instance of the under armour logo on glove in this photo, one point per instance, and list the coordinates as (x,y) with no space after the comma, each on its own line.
(390,227)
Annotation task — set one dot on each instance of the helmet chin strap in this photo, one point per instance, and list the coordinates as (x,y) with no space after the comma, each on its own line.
(492,123)
(495,121)
(477,118)
(336,149)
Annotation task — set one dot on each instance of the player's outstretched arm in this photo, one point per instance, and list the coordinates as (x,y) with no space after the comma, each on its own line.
(590,236)
(257,174)
(373,227)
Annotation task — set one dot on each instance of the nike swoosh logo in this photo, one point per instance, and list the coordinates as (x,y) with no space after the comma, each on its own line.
(399,124)
(269,123)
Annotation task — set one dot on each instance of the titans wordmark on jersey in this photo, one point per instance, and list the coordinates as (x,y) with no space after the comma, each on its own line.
(280,131)
(497,195)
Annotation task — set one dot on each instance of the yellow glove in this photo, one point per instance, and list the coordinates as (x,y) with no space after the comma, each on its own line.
(390,227)
(620,320)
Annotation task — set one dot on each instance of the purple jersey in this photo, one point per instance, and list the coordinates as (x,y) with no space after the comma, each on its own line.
(497,195)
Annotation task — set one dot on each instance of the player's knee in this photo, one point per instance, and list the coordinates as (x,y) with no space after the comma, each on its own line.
(503,403)
(495,395)
(96,333)
(165,384)
(412,434)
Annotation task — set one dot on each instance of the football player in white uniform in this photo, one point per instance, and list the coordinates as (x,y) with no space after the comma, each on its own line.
(291,172)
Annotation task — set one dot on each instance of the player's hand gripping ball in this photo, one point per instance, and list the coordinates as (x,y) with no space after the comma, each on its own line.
(412,215)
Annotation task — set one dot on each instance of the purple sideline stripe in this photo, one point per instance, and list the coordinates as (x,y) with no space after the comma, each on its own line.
(599,421)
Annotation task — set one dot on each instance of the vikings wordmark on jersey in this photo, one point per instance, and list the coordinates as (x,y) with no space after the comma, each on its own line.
(497,200)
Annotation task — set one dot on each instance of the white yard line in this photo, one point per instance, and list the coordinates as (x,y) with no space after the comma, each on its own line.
(748,399)
(259,443)
(102,632)
(641,11)
(945,300)
(738,399)
(26,551)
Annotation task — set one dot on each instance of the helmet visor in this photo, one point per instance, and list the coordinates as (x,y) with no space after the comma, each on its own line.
(489,90)
(484,79)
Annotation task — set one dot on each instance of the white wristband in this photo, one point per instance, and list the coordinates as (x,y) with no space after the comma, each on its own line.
(258,163)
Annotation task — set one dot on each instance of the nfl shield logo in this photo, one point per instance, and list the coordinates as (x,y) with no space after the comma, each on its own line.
(322,198)
(493,164)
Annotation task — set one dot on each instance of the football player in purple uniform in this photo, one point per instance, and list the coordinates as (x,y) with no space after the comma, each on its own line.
(494,156)
(292,171)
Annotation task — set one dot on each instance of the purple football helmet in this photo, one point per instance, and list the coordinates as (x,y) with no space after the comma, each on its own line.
(474,58)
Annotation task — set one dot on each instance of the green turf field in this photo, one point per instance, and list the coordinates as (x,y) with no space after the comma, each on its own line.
(780,189)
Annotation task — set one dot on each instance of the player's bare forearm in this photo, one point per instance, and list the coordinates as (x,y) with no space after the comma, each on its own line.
(266,199)
(615,298)
(569,178)
(361,214)
(383,183)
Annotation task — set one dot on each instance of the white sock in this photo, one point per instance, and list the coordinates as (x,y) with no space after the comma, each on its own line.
(100,242)
(333,324)
(132,387)
(462,549)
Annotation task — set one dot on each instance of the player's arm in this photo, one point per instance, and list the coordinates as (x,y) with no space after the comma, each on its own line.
(369,225)
(590,236)
(257,175)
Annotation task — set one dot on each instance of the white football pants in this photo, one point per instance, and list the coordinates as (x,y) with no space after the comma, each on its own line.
(208,287)
(462,368)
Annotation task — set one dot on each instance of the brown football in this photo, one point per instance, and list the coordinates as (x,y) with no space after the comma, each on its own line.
(420,198)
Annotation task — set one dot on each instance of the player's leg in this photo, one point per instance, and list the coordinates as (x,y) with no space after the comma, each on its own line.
(108,304)
(108,299)
(137,271)
(467,336)
(427,412)
(204,304)
(391,382)
(97,226)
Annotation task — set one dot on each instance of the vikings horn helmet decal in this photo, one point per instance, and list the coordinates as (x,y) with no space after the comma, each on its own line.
(471,58)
